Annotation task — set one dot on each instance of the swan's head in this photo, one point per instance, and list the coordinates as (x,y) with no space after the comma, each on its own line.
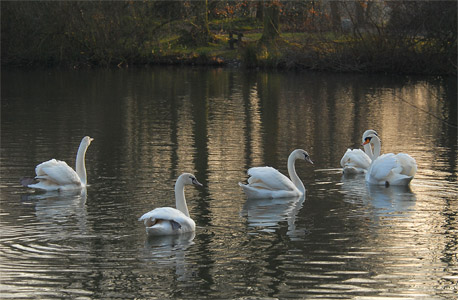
(302,154)
(369,138)
(367,133)
(86,140)
(188,179)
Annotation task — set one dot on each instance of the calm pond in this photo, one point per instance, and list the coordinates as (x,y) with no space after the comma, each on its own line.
(343,240)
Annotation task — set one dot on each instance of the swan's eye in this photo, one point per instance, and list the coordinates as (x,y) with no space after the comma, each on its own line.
(368,139)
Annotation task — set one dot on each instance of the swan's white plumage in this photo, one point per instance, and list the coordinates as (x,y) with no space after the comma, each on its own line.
(168,220)
(262,191)
(390,169)
(267,182)
(269,178)
(408,164)
(56,172)
(382,167)
(355,161)
(56,175)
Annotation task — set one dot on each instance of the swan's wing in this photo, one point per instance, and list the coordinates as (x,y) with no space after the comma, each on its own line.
(382,166)
(270,179)
(408,164)
(355,158)
(58,172)
(164,213)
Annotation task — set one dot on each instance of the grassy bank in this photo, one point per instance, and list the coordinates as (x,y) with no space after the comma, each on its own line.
(298,51)
(301,51)
(121,34)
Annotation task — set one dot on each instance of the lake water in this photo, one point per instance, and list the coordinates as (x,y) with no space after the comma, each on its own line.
(343,240)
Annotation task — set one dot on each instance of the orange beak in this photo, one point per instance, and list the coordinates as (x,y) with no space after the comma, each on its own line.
(366,141)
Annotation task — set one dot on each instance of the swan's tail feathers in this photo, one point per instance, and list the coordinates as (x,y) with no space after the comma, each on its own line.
(252,192)
(405,180)
(26,181)
(148,220)
(245,188)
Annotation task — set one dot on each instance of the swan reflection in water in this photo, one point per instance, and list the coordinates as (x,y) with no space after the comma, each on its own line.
(266,214)
(170,251)
(385,200)
(392,199)
(62,213)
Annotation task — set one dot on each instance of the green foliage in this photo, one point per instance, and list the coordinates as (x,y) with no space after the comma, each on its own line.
(391,36)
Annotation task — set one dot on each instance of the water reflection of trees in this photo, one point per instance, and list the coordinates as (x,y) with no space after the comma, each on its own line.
(151,125)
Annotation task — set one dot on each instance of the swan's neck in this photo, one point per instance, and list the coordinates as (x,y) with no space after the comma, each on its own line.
(368,151)
(377,147)
(180,200)
(293,175)
(80,164)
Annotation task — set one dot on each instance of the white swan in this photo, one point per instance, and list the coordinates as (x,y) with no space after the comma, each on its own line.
(267,182)
(389,169)
(56,175)
(355,161)
(168,220)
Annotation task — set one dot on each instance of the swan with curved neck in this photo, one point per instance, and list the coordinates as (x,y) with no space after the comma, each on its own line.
(389,169)
(56,175)
(367,147)
(267,182)
(356,161)
(168,220)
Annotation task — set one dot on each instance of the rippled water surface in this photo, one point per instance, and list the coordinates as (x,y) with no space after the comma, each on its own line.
(342,240)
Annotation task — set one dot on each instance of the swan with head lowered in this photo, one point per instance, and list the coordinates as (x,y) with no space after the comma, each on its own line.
(168,220)
(56,175)
(356,161)
(267,182)
(389,169)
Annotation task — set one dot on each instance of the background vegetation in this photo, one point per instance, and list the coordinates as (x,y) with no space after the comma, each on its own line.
(359,36)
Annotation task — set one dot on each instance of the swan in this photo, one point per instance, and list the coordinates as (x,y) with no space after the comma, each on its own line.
(389,169)
(355,161)
(267,182)
(56,175)
(168,220)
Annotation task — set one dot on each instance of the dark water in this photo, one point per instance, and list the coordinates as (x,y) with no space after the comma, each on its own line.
(344,240)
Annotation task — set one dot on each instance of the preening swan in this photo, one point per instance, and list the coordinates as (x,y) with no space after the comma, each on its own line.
(267,182)
(168,220)
(356,161)
(56,175)
(389,169)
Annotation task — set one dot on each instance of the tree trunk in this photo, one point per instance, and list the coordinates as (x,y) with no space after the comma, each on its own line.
(359,14)
(203,32)
(200,32)
(335,16)
(271,18)
(259,10)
